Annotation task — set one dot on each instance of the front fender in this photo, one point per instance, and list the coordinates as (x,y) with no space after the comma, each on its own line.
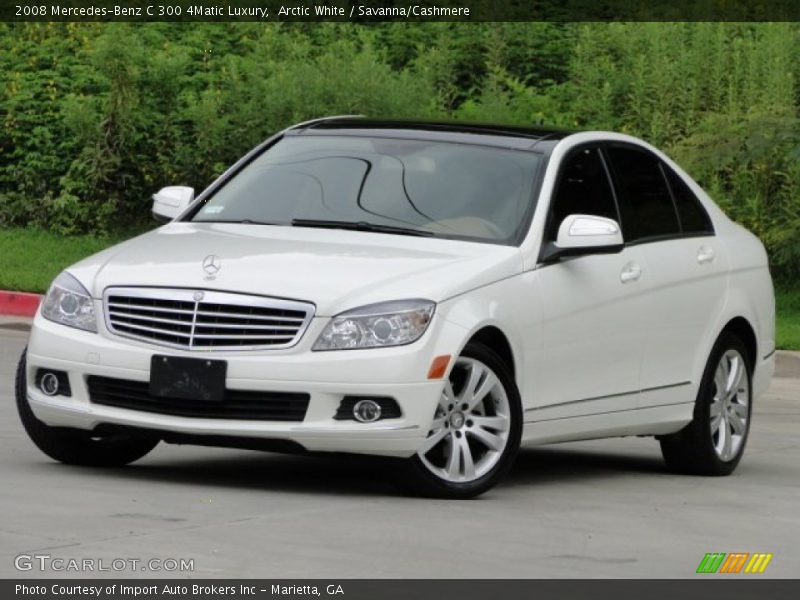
(514,307)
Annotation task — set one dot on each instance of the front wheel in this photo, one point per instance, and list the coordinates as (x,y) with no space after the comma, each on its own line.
(476,429)
(76,446)
(713,443)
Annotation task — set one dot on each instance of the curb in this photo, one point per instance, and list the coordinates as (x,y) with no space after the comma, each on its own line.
(787,364)
(19,304)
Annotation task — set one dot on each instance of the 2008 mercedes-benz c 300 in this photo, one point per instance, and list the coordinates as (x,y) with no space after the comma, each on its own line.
(436,293)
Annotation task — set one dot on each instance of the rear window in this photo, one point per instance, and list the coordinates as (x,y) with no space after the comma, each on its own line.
(646,205)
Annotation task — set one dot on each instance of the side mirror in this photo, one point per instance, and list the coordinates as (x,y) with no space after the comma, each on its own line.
(170,201)
(584,234)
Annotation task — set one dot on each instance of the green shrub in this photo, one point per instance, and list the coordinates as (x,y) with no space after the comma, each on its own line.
(95,117)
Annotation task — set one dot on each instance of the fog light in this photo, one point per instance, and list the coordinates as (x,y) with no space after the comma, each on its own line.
(367,411)
(49,384)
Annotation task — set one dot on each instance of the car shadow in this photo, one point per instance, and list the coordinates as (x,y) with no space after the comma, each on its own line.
(560,463)
(349,475)
(343,475)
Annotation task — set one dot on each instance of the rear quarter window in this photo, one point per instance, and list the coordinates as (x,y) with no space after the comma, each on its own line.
(693,217)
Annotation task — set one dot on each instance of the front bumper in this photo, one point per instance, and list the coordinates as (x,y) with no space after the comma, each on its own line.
(326,376)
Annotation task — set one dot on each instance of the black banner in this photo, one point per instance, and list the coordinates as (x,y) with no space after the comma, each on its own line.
(398,10)
(407,589)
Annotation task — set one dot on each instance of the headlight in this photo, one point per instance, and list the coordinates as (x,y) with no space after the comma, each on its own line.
(67,302)
(377,325)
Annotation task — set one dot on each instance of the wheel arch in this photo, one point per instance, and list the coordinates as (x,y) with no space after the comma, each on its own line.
(742,329)
(496,340)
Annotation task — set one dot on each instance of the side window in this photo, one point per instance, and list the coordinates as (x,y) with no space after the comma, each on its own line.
(645,202)
(694,218)
(582,188)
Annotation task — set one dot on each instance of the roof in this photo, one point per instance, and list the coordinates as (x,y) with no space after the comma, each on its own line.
(509,136)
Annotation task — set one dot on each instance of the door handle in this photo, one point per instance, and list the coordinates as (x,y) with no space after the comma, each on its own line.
(630,272)
(705,254)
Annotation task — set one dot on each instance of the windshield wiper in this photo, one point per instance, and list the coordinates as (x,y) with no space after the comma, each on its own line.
(240,221)
(359,226)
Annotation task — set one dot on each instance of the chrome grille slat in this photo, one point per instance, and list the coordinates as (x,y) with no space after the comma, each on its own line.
(215,321)
(154,329)
(239,316)
(213,336)
(144,307)
(120,315)
(291,328)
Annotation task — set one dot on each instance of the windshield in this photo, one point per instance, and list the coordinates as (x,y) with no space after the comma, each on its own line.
(430,188)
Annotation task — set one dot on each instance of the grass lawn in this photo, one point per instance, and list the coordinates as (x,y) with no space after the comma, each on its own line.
(787,320)
(30,259)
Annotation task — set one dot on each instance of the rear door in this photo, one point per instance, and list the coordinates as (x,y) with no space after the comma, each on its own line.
(685,263)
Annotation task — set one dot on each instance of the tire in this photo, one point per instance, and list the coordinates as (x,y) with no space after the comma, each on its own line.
(480,417)
(76,446)
(706,447)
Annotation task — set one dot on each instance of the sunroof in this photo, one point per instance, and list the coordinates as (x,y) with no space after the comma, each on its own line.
(535,133)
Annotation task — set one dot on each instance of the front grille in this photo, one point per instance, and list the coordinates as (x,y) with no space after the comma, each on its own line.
(237,404)
(204,320)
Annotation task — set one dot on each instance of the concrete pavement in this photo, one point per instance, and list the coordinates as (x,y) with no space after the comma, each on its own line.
(591,509)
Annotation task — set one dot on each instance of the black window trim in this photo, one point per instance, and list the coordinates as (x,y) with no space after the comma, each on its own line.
(687,234)
(567,157)
(601,149)
(671,196)
(605,144)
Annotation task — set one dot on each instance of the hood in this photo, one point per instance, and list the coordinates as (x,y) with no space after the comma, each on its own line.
(335,269)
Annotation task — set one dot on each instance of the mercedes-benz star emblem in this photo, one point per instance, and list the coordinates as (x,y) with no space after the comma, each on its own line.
(198,296)
(211,265)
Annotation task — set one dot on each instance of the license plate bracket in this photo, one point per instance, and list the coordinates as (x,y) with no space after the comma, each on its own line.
(187,378)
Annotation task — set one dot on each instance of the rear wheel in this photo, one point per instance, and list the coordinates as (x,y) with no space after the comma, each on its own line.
(476,429)
(713,443)
(76,446)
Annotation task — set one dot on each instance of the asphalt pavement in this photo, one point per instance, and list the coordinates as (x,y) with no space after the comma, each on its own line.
(604,508)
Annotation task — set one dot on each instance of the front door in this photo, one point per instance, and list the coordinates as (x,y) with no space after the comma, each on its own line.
(593,321)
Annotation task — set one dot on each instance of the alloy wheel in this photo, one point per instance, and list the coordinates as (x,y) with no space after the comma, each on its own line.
(471,425)
(730,405)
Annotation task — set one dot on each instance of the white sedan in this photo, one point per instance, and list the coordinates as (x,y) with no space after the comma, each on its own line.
(437,293)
